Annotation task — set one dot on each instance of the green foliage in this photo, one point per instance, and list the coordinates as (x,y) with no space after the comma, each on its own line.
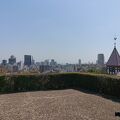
(104,84)
(97,71)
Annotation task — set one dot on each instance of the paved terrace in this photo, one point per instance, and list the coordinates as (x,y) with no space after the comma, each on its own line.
(57,105)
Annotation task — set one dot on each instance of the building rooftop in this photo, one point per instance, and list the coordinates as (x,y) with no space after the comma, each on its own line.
(114,59)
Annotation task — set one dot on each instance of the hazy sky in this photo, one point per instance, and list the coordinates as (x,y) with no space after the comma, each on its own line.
(65,30)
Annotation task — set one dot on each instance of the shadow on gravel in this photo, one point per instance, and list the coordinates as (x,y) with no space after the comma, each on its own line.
(7,93)
(112,98)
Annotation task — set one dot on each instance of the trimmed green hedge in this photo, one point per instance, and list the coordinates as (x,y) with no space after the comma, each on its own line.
(103,84)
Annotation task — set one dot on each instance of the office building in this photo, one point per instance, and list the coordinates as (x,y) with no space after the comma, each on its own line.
(15,68)
(4,62)
(100,60)
(43,68)
(27,60)
(46,62)
(53,63)
(12,60)
(79,62)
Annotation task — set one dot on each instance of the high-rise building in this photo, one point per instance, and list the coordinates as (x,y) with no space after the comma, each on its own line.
(27,60)
(100,60)
(4,62)
(53,63)
(12,60)
(79,62)
(46,62)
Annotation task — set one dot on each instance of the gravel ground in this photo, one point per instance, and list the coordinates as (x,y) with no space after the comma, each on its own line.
(57,105)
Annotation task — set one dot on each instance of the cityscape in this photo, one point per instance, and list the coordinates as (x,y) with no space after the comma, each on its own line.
(59,59)
(48,66)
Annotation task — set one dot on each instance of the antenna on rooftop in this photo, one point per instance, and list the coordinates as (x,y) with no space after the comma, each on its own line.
(115,38)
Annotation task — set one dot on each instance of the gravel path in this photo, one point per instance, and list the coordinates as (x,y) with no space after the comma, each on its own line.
(57,105)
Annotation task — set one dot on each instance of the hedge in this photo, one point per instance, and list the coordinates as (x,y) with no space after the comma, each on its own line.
(104,84)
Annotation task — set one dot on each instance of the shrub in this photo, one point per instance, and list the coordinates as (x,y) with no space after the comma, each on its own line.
(104,84)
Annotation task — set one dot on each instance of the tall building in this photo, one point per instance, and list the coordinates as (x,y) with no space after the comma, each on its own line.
(53,63)
(4,62)
(79,62)
(12,60)
(27,60)
(46,62)
(100,60)
(19,64)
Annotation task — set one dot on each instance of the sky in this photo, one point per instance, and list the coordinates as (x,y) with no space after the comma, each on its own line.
(64,30)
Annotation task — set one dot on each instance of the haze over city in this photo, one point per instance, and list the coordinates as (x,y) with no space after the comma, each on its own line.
(64,30)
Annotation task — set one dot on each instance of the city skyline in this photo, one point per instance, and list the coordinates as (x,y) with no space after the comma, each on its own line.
(62,30)
(31,58)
